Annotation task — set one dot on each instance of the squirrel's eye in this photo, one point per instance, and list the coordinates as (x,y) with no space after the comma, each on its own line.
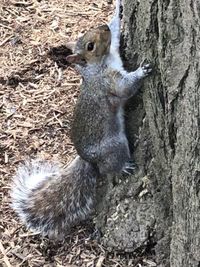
(90,46)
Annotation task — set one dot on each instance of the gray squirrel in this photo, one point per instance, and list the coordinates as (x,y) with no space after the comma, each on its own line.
(51,199)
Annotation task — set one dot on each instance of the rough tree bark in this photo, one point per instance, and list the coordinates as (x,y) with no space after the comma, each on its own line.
(160,203)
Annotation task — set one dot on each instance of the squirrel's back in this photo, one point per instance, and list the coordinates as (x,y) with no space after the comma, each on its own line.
(103,113)
(50,199)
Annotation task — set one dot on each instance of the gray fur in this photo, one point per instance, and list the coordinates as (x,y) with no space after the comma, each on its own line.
(51,199)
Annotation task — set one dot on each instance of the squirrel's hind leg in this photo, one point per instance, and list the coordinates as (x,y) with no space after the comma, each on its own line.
(115,156)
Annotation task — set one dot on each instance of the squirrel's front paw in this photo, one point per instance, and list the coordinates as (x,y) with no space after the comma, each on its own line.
(144,71)
(147,69)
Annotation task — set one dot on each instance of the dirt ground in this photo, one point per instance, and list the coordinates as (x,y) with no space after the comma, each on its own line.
(38,91)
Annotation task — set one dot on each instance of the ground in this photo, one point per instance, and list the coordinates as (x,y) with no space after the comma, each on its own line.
(38,91)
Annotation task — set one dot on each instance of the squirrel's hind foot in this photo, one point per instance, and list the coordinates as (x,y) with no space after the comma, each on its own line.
(129,168)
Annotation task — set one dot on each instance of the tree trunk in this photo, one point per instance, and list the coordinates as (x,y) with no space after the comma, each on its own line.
(159,206)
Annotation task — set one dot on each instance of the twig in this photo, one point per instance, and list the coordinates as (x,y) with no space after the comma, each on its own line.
(6,40)
(100,261)
(4,26)
(4,255)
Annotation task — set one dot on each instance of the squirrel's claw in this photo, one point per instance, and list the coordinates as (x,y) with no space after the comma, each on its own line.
(144,71)
(129,167)
(147,69)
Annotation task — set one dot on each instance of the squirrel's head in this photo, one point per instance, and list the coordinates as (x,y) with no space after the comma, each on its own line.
(91,47)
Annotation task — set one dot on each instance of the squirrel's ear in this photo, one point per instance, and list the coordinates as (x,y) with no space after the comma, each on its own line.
(71,46)
(75,58)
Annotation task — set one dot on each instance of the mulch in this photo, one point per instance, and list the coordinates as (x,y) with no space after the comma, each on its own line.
(38,91)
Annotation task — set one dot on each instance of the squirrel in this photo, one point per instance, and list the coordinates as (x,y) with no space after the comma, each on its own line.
(51,199)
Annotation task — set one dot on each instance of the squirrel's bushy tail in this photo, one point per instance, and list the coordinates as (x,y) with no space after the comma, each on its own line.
(50,199)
